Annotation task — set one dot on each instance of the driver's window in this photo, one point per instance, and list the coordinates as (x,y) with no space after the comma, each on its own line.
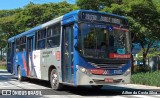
(90,40)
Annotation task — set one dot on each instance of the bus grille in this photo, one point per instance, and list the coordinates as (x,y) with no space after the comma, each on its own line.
(107,66)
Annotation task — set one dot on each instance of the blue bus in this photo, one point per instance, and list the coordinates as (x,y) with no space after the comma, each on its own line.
(82,47)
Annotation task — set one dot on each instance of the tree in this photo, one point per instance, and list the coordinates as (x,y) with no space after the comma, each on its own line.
(7,25)
(3,44)
(16,21)
(144,22)
(143,16)
(96,4)
(36,14)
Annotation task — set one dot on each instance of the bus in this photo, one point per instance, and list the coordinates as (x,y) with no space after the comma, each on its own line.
(82,47)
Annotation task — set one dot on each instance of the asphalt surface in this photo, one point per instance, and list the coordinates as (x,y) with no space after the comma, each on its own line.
(41,89)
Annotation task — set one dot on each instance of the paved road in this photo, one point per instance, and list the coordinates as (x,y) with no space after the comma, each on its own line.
(7,81)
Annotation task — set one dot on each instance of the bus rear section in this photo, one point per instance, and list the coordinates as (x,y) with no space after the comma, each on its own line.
(10,56)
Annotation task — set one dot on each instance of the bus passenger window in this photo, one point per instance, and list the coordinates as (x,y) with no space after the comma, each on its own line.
(41,44)
(21,44)
(50,43)
(17,50)
(41,39)
(53,36)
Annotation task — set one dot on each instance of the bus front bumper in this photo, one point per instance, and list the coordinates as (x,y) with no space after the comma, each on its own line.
(85,79)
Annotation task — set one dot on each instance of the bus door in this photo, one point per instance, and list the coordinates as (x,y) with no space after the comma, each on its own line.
(30,68)
(13,58)
(67,54)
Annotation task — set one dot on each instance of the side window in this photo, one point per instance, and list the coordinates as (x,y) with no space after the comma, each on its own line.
(17,45)
(41,39)
(53,36)
(21,44)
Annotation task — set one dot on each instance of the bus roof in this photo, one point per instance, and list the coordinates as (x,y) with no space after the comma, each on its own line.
(65,16)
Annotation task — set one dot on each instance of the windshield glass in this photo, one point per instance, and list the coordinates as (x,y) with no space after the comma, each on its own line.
(99,40)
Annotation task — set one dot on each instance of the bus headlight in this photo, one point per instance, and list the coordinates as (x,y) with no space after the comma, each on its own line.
(84,70)
(127,72)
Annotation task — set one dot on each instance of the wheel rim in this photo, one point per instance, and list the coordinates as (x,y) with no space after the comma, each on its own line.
(54,79)
(19,76)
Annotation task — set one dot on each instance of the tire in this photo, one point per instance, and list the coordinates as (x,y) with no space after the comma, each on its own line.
(96,86)
(54,80)
(20,78)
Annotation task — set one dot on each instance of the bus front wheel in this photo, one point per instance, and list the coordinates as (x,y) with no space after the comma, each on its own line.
(54,80)
(96,86)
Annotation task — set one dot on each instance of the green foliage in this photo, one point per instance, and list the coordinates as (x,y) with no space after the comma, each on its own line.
(138,69)
(96,4)
(149,78)
(88,4)
(152,53)
(35,14)
(6,28)
(16,21)
(4,13)
(7,23)
(3,67)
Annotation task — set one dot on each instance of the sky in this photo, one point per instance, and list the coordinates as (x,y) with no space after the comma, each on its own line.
(13,4)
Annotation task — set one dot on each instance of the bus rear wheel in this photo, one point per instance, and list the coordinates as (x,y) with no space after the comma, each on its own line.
(54,80)
(20,78)
(96,86)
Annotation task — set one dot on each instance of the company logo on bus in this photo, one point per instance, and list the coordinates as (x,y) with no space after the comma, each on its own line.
(106,72)
(99,71)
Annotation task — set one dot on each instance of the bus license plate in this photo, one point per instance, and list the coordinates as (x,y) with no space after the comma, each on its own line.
(108,80)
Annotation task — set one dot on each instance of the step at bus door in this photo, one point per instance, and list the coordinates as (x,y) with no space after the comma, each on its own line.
(67,54)
(30,68)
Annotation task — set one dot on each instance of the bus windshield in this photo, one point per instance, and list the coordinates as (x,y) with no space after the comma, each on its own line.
(97,41)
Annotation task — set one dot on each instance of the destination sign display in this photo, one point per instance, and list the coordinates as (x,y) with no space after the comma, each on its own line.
(97,17)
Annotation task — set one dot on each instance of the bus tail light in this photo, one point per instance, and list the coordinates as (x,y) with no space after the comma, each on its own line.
(58,55)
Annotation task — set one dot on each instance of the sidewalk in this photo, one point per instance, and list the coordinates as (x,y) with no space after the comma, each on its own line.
(4,72)
(143,86)
(139,86)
